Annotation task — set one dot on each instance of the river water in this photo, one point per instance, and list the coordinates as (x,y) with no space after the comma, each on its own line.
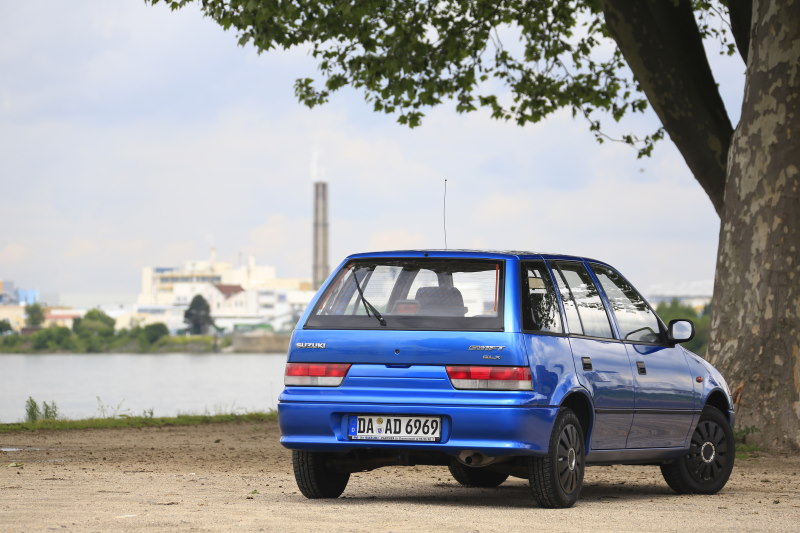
(90,385)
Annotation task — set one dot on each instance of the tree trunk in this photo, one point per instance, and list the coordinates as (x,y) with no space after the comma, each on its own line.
(755,334)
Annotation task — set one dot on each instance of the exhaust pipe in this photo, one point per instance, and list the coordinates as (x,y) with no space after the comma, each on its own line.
(474,458)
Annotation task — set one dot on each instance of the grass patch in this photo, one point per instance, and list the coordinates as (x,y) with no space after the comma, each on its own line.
(745,451)
(123,421)
(743,448)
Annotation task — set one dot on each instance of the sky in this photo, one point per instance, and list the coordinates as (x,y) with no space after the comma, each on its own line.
(134,136)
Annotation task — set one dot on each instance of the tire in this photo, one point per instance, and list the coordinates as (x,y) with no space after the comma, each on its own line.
(314,478)
(709,463)
(475,477)
(557,478)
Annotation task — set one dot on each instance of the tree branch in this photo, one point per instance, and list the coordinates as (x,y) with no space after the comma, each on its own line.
(663,47)
(741,13)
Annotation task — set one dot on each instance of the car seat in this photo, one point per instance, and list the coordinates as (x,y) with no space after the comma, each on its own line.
(440,301)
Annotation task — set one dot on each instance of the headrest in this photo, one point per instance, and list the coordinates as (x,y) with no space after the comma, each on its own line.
(440,301)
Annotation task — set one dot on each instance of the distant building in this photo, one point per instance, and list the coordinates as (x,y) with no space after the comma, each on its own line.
(27,296)
(10,294)
(61,316)
(246,295)
(91,300)
(53,316)
(15,314)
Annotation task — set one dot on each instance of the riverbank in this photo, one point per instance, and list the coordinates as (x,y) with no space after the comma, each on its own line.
(132,422)
(237,477)
(60,340)
(236,343)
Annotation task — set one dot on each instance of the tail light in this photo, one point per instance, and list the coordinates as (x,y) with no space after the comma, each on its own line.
(490,377)
(315,374)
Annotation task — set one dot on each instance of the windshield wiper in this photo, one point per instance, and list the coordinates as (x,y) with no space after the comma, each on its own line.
(367,306)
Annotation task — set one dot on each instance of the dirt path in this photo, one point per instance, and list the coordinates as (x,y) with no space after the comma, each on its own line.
(235,477)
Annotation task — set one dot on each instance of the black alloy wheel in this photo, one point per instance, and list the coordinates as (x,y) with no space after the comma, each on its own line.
(708,465)
(569,459)
(557,478)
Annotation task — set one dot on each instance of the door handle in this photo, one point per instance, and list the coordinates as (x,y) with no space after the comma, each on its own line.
(641,368)
(587,363)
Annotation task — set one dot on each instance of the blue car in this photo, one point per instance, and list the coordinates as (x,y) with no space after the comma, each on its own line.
(496,365)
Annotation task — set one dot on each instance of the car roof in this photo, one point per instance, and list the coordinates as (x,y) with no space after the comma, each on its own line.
(477,254)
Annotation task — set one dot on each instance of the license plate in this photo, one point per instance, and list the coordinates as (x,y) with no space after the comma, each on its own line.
(407,428)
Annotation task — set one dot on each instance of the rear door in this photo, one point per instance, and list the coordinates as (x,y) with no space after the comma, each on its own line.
(664,405)
(601,361)
(543,332)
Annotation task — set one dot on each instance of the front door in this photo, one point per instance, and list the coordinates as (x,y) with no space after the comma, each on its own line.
(664,407)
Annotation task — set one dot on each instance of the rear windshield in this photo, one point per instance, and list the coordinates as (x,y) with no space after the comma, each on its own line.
(421,294)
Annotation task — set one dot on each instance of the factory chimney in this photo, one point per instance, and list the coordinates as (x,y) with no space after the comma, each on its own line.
(320,267)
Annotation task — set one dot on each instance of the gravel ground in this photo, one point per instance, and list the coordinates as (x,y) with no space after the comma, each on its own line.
(237,477)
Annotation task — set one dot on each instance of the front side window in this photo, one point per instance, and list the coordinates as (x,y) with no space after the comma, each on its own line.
(636,321)
(540,310)
(413,293)
(586,314)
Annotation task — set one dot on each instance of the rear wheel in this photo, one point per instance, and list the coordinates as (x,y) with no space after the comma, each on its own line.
(708,465)
(557,478)
(313,476)
(475,477)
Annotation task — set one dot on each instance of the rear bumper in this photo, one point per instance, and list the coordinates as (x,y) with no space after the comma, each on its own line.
(490,429)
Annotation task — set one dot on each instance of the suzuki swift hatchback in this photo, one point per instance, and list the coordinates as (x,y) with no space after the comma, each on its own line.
(497,365)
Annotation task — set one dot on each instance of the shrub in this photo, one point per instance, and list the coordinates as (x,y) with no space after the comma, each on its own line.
(11,342)
(32,411)
(49,411)
(51,338)
(95,330)
(154,332)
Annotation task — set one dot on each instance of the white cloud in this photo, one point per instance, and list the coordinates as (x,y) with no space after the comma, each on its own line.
(13,253)
(395,239)
(283,240)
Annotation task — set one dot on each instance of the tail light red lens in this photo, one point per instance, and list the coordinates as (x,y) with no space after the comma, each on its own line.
(315,374)
(490,377)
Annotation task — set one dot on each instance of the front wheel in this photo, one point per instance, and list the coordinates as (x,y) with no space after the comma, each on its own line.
(313,476)
(708,465)
(556,479)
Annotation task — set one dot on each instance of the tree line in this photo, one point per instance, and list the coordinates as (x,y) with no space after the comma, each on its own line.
(95,332)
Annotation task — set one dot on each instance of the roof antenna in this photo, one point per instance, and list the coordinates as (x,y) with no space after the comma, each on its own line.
(444,213)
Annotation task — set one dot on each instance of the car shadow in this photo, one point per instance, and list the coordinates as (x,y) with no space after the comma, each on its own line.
(514,495)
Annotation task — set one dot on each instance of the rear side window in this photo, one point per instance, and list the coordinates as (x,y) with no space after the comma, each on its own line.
(586,314)
(414,293)
(540,310)
(636,321)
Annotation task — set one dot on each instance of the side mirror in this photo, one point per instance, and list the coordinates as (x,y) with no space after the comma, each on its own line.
(681,330)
